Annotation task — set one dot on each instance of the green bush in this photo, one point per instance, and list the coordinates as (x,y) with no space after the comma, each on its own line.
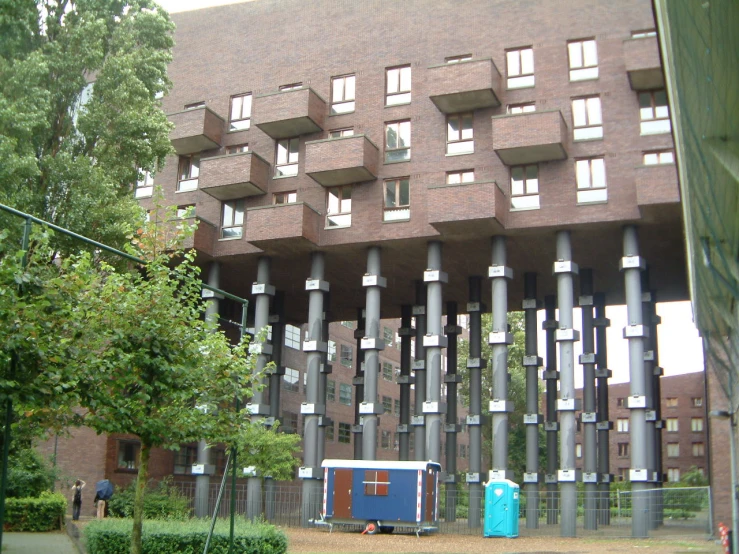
(28,474)
(45,513)
(113,536)
(163,502)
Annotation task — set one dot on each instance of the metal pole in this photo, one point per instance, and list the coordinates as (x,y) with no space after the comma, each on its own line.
(532,418)
(451,428)
(404,381)
(277,319)
(551,425)
(657,390)
(357,429)
(475,363)
(433,341)
(419,367)
(372,344)
(589,415)
(604,424)
(232,510)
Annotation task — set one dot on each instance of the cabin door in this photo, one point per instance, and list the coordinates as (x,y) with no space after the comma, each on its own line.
(430,495)
(343,493)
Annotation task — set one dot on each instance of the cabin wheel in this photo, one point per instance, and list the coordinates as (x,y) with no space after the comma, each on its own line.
(372,528)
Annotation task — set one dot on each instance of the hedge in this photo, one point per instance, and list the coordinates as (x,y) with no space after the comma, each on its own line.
(45,513)
(113,536)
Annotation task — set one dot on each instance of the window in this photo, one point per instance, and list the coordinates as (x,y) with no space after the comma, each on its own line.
(232,220)
(290,86)
(195,105)
(291,380)
(644,33)
(671,402)
(623,450)
(521,108)
(188,174)
(396,441)
(578,450)
(411,441)
(342,94)
(186,211)
(398,141)
(376,482)
(240,112)
(673,474)
(583,59)
(331,390)
(347,355)
(621,402)
(622,425)
(237,148)
(348,324)
(525,187)
(591,180)
(388,336)
(128,455)
(184,458)
(385,440)
(292,336)
(457,59)
(338,133)
(458,177)
(285,197)
(145,186)
(387,404)
(331,356)
(520,67)
(290,422)
(345,394)
(345,433)
(659,157)
(698,449)
(286,159)
(330,432)
(339,206)
(398,87)
(587,121)
(459,134)
(462,450)
(697,401)
(387,371)
(397,204)
(696,424)
(673,449)
(396,407)
(623,474)
(672,424)
(654,113)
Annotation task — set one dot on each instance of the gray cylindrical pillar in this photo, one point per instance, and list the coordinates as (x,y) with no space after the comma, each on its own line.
(565,270)
(314,345)
(532,418)
(657,390)
(651,415)
(258,406)
(275,384)
(419,367)
(604,424)
(323,379)
(372,343)
(202,482)
(358,385)
(635,332)
(452,425)
(434,340)
(551,425)
(499,339)
(475,363)
(404,381)
(589,415)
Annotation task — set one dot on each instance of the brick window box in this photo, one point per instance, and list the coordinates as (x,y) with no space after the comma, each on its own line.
(641,57)
(196,130)
(278,226)
(530,137)
(234,176)
(342,161)
(289,113)
(464,86)
(657,185)
(466,208)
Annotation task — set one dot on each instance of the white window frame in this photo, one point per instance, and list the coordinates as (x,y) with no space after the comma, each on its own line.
(188,173)
(343,94)
(232,219)
(525,107)
(144,186)
(524,189)
(658,157)
(398,146)
(583,58)
(339,207)
(654,118)
(672,425)
(240,112)
(520,67)
(292,336)
(673,449)
(398,85)
(587,118)
(291,380)
(462,139)
(287,157)
(395,207)
(590,175)
(622,425)
(696,424)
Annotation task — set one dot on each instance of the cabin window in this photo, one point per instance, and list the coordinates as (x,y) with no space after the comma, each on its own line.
(376,482)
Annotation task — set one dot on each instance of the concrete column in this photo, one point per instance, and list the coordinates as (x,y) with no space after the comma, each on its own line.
(202,482)
(499,339)
(657,390)
(277,320)
(323,380)
(636,332)
(532,419)
(565,270)
(313,410)
(433,341)
(588,414)
(358,385)
(475,364)
(651,414)
(404,381)
(604,425)
(419,367)
(551,424)
(258,408)
(452,427)
(372,343)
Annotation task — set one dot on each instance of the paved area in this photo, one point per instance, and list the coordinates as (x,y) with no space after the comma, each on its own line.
(38,543)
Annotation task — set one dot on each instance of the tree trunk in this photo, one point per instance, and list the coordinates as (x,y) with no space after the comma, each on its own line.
(138,503)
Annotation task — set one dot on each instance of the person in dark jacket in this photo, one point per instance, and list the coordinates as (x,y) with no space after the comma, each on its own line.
(79,484)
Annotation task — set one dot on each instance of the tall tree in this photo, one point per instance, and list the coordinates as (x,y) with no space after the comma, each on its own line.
(79,115)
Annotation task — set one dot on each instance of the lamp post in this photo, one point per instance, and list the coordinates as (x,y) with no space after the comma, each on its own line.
(724,414)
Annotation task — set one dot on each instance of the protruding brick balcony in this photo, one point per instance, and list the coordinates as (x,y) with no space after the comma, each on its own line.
(204,237)
(234,175)
(289,113)
(530,137)
(284,227)
(641,57)
(342,161)
(657,185)
(467,208)
(196,130)
(464,86)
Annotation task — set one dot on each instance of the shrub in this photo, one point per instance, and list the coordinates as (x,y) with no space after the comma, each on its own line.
(163,502)
(113,536)
(28,474)
(45,513)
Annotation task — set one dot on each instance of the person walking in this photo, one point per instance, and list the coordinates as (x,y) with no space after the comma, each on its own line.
(79,484)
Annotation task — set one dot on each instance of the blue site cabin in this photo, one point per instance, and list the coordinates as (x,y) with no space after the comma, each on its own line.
(381,495)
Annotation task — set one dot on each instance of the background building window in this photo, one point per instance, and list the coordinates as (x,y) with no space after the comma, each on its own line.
(620,402)
(696,424)
(671,402)
(526,107)
(291,380)
(591,180)
(342,94)
(385,440)
(338,133)
(345,394)
(331,390)
(457,59)
(128,455)
(189,171)
(232,219)
(290,422)
(388,336)
(240,112)
(387,404)
(462,450)
(654,113)
(290,86)
(459,134)
(673,449)
(587,120)
(237,148)
(285,197)
(398,89)
(345,433)
(396,407)
(330,432)
(622,425)
(339,206)
(672,425)
(144,186)
(458,177)
(673,474)
(286,158)
(184,458)
(387,371)
(578,450)
(520,67)
(347,355)
(623,450)
(698,449)
(292,336)
(348,324)
(331,355)
(583,56)
(525,187)
(397,201)
(697,401)
(398,141)
(659,157)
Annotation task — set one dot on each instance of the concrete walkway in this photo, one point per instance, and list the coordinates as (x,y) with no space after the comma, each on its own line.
(38,543)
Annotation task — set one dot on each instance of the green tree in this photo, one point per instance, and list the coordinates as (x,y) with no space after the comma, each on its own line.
(270,452)
(79,115)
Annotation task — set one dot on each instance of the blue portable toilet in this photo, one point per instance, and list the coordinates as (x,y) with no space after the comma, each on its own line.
(501,509)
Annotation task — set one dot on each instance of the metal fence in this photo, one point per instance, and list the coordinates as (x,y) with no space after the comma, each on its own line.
(672,512)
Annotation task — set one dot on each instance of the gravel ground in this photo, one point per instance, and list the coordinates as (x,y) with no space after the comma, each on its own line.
(304,541)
